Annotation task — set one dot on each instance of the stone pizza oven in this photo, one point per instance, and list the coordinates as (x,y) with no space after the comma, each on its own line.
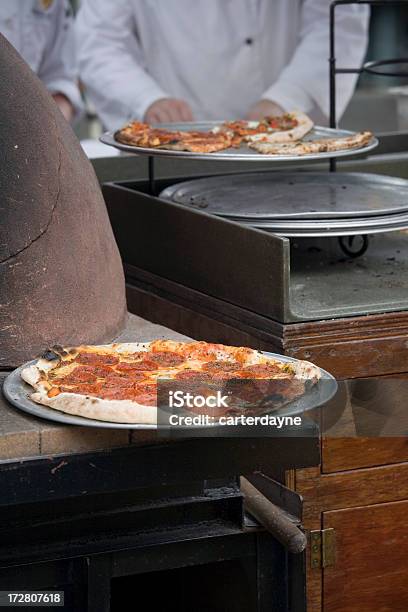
(61,277)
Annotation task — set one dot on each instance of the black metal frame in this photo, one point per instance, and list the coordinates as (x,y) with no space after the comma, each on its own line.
(165,465)
(367,67)
(87,579)
(334,71)
(347,248)
(77,522)
(372,67)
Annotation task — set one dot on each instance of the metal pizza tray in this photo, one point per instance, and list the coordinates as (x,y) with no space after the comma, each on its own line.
(334,227)
(243,153)
(292,196)
(332,232)
(17,393)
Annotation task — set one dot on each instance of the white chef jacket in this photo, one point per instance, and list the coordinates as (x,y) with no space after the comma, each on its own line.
(221,56)
(42,32)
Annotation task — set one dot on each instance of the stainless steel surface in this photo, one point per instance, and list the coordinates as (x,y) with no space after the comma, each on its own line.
(293,195)
(17,392)
(243,153)
(324,284)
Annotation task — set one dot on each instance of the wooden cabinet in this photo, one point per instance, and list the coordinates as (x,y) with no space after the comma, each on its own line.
(361,487)
(367,508)
(360,492)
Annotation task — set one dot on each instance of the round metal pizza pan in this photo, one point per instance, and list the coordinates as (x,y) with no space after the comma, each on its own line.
(362,224)
(329,231)
(290,196)
(243,153)
(17,393)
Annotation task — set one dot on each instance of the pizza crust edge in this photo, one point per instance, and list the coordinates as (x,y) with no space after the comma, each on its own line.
(113,411)
(303,127)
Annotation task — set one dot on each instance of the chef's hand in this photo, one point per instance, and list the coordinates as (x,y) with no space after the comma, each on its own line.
(168,110)
(64,105)
(264,108)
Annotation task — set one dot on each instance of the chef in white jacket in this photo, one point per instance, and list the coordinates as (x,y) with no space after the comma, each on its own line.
(42,32)
(175,60)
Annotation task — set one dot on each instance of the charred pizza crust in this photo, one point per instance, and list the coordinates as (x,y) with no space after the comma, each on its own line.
(112,411)
(100,409)
(324,145)
(200,142)
(169,359)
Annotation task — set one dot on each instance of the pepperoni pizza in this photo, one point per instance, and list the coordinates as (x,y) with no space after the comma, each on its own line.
(118,382)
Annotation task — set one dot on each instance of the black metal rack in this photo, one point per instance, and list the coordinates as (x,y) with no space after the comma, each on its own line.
(372,67)
(352,246)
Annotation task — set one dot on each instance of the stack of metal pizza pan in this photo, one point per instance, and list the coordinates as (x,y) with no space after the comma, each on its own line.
(301,204)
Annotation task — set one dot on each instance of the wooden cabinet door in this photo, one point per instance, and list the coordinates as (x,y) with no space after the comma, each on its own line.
(370,573)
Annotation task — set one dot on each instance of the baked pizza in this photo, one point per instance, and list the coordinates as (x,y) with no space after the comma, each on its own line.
(323,145)
(118,382)
(200,142)
(142,135)
(289,127)
(278,135)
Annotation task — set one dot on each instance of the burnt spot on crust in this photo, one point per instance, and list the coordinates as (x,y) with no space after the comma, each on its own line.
(56,353)
(60,350)
(50,355)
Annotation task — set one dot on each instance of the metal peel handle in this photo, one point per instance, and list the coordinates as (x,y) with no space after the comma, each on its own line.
(273,519)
